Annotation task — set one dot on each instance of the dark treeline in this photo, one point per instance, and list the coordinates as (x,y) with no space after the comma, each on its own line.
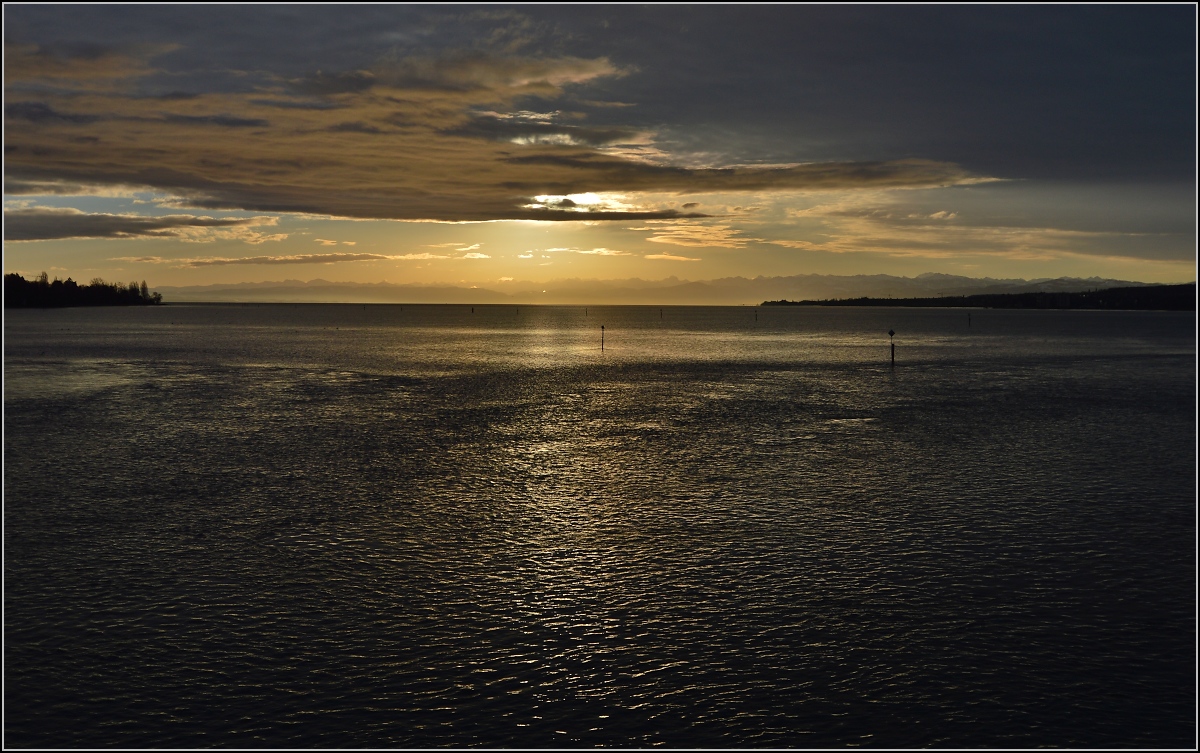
(1147,298)
(42,293)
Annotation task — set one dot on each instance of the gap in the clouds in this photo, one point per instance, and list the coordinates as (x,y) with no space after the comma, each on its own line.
(120,200)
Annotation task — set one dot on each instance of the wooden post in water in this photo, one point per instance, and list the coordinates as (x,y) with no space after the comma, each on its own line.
(601,338)
(891,334)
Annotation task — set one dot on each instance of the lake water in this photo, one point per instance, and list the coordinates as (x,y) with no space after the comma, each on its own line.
(418,526)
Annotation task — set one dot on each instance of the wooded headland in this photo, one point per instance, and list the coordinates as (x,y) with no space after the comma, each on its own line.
(40,292)
(1144,298)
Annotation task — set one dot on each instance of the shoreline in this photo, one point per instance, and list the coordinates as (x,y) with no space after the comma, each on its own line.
(1143,298)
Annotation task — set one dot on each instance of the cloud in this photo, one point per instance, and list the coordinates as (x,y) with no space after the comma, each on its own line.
(325,242)
(669,257)
(598,103)
(451,145)
(144,259)
(55,223)
(298,104)
(282,259)
(589,251)
(226,121)
(289,259)
(355,127)
(40,112)
(854,207)
(324,84)
(808,245)
(16,187)
(528,131)
(627,175)
(568,213)
(522,115)
(69,62)
(845,225)
(697,235)
(474,256)
(503,75)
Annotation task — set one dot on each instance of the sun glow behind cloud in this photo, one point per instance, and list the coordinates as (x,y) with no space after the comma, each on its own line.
(584,203)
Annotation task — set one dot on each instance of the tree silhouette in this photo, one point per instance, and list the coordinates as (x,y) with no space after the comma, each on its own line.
(41,293)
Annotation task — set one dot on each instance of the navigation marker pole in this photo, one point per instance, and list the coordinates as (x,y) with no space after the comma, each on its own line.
(601,338)
(891,334)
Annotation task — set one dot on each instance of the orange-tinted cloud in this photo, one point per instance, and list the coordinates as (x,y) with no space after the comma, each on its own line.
(405,139)
(211,261)
(696,235)
(848,227)
(287,259)
(54,223)
(67,64)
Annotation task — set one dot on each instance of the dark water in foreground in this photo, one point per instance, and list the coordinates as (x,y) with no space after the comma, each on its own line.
(373,527)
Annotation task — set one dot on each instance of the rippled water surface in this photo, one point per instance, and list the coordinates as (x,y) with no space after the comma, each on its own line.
(420,526)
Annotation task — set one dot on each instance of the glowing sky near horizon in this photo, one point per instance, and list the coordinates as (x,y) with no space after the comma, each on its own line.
(189,145)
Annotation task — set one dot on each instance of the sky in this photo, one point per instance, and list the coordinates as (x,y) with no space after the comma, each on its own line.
(492,144)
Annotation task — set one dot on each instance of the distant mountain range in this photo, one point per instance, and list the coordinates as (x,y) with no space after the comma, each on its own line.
(724,291)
